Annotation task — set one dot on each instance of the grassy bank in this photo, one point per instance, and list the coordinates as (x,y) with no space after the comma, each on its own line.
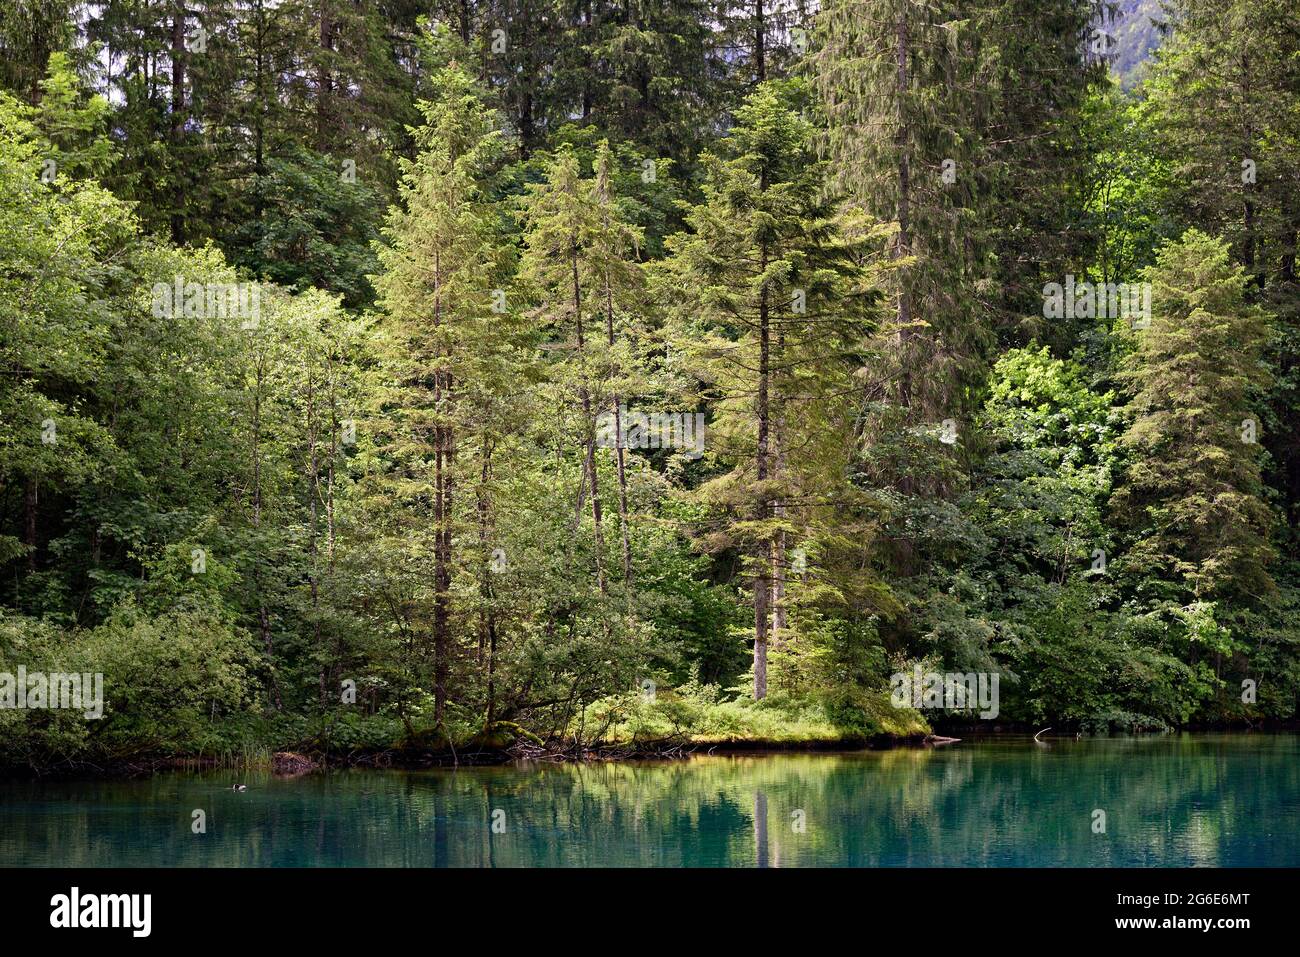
(669,722)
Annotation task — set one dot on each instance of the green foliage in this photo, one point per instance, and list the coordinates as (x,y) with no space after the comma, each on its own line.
(1049,469)
(772,300)
(701,714)
(1193,496)
(74,125)
(316,227)
(169,685)
(384,513)
(1130,185)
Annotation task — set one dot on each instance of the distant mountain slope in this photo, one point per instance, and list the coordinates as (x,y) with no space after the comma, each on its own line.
(1135,37)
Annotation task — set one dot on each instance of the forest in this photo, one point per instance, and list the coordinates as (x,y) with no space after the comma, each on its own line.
(404,376)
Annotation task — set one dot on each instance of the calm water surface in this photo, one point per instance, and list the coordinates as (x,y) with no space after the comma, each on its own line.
(1179,800)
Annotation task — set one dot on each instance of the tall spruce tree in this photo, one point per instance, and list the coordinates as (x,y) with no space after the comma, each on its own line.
(771,312)
(1221,97)
(1192,494)
(580,263)
(442,275)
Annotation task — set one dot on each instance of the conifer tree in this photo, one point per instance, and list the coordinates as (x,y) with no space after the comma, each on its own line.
(559,224)
(772,313)
(442,276)
(1192,494)
(74,124)
(651,73)
(580,262)
(1222,87)
(620,284)
(1221,97)
(899,105)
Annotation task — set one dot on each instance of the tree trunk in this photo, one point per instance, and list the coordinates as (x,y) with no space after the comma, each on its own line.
(444,500)
(763,556)
(903,244)
(487,613)
(526,126)
(30,502)
(259,119)
(178,118)
(589,425)
(619,451)
(441,572)
(329,499)
(324,82)
(779,616)
(263,614)
(313,493)
(587,67)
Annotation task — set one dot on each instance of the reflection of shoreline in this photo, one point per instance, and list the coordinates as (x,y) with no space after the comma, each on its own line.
(1180,800)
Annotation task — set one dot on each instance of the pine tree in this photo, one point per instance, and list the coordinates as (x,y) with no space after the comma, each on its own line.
(1036,62)
(517,41)
(30,33)
(650,73)
(905,88)
(899,102)
(1222,88)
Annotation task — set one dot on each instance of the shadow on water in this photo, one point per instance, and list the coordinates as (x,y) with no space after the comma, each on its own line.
(1175,800)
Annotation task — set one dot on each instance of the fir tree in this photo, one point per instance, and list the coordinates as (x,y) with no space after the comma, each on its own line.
(772,312)
(441,266)
(1192,494)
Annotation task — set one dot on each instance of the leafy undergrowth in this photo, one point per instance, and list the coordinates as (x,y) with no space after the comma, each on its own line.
(702,715)
(687,717)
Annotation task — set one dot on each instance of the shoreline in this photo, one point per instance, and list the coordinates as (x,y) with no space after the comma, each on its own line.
(296,763)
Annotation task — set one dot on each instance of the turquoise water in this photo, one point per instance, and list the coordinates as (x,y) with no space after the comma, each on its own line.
(1177,800)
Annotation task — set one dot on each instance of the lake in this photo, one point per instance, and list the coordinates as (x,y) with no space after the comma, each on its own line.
(1174,800)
